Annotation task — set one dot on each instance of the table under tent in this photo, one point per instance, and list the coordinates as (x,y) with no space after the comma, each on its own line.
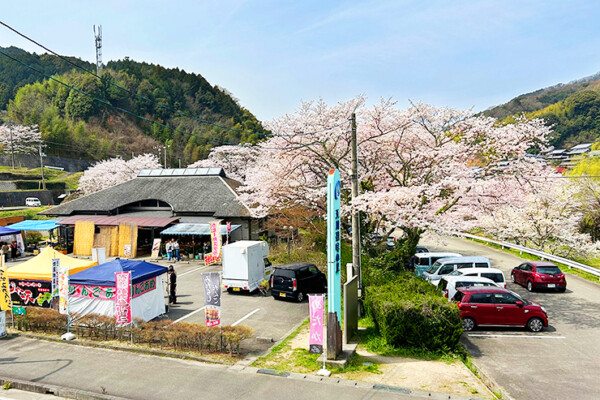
(93,290)
(31,281)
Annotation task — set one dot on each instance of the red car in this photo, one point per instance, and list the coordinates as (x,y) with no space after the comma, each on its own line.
(539,274)
(494,306)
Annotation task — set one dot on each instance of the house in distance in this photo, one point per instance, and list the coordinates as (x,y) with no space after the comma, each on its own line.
(126,218)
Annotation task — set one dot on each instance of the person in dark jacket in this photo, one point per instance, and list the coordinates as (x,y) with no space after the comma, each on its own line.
(172,285)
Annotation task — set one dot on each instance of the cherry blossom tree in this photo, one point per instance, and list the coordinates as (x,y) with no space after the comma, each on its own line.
(235,160)
(549,221)
(18,139)
(114,171)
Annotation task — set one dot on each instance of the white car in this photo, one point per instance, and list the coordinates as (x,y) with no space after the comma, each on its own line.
(491,273)
(449,283)
(33,202)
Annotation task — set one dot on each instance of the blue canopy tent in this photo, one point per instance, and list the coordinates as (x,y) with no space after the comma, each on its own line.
(195,229)
(92,291)
(35,225)
(10,235)
(6,231)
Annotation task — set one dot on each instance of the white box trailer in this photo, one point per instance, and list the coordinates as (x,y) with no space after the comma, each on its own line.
(245,265)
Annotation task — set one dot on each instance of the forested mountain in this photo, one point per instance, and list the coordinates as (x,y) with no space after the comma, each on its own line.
(94,126)
(573,109)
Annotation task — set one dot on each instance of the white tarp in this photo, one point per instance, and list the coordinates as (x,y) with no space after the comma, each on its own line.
(147,306)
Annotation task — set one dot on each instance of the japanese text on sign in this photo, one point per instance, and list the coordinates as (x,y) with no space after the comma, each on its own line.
(4,290)
(63,290)
(123,298)
(315,308)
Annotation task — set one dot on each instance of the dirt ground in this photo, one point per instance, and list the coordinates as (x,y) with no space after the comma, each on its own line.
(435,376)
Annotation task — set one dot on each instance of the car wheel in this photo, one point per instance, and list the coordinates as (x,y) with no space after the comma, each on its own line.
(468,324)
(535,324)
(529,286)
(300,297)
(514,278)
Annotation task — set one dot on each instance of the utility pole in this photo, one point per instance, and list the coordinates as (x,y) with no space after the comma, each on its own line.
(12,147)
(42,165)
(165,149)
(355,214)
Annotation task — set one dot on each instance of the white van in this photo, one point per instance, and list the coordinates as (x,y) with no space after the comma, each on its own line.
(449,284)
(491,273)
(245,265)
(33,202)
(422,261)
(447,265)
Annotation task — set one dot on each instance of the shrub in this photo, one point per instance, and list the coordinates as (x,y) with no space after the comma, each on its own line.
(180,336)
(408,311)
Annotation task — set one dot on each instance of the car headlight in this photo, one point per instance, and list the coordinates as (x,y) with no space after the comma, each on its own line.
(544,310)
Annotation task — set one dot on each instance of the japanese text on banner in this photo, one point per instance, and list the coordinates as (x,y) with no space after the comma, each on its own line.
(5,303)
(315,308)
(215,238)
(63,290)
(212,298)
(55,267)
(123,297)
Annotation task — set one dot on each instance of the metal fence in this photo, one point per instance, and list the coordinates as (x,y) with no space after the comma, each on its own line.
(541,254)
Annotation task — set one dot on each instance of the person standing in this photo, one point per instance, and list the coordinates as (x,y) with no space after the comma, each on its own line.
(176,248)
(169,250)
(172,285)
(13,250)
(4,250)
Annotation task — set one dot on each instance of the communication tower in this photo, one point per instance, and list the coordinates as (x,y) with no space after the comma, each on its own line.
(98,41)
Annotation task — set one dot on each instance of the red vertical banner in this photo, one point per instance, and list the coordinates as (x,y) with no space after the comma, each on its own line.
(315,308)
(123,297)
(228,231)
(215,239)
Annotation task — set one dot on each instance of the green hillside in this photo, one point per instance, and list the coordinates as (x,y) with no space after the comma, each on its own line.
(76,125)
(572,109)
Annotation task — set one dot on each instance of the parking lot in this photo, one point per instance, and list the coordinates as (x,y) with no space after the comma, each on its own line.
(269,318)
(558,363)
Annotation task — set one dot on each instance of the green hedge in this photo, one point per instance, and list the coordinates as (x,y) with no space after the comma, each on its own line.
(408,311)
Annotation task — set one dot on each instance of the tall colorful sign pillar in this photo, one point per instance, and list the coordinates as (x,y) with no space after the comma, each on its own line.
(334,280)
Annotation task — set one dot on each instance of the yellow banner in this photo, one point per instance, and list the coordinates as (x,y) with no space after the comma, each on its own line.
(5,303)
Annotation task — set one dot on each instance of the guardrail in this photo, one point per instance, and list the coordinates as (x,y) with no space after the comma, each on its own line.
(541,254)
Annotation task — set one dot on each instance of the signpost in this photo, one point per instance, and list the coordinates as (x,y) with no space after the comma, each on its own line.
(155,248)
(334,282)
(212,298)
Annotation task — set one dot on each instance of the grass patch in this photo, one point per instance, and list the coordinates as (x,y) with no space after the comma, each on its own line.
(373,342)
(71,181)
(49,173)
(28,213)
(283,358)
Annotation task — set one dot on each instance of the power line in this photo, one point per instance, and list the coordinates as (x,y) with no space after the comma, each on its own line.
(153,101)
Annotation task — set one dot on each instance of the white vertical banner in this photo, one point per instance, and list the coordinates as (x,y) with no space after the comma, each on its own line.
(55,268)
(2,323)
(63,290)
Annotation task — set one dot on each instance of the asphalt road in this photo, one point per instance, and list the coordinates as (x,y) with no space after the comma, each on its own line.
(559,363)
(137,376)
(270,319)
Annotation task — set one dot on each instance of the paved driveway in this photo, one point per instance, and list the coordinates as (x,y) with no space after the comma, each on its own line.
(269,318)
(559,363)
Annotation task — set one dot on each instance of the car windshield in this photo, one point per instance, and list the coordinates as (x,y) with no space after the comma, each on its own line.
(525,301)
(434,267)
(548,270)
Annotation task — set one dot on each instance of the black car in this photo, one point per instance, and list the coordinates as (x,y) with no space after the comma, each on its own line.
(296,280)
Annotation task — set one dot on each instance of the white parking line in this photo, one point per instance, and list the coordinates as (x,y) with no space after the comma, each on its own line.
(245,316)
(515,336)
(189,272)
(188,315)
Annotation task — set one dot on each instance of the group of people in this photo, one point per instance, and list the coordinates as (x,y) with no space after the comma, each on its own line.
(172,249)
(11,250)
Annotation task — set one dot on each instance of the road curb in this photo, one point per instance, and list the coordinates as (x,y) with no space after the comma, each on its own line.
(489,382)
(85,343)
(61,391)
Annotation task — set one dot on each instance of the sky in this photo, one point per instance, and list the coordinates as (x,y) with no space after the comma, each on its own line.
(272,55)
